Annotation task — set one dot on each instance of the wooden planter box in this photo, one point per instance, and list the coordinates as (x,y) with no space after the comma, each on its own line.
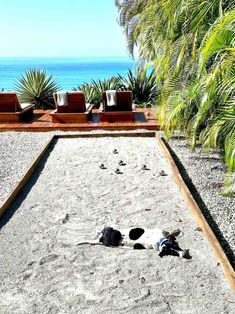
(16,117)
(116,116)
(81,117)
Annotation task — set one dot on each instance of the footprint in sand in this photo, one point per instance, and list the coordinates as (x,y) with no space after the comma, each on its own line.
(48,259)
(27,276)
(74,287)
(27,273)
(35,207)
(65,219)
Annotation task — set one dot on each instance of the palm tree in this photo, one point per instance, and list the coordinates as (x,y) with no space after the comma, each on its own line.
(129,16)
(191,45)
(36,87)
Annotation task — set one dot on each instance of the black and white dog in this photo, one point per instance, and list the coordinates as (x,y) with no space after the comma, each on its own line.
(140,238)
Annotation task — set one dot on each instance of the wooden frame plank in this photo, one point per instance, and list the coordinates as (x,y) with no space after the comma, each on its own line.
(200,219)
(24,179)
(42,122)
(106,134)
(66,117)
(17,117)
(117,116)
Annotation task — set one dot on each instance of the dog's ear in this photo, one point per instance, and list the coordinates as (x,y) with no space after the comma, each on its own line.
(110,237)
(106,229)
(103,233)
(164,251)
(168,251)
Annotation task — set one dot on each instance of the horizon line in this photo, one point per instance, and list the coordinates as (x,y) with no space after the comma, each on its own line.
(50,56)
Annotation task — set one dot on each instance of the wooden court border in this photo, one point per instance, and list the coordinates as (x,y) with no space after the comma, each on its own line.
(24,179)
(200,219)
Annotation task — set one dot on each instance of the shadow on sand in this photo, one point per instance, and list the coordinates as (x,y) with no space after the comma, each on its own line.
(205,211)
(27,188)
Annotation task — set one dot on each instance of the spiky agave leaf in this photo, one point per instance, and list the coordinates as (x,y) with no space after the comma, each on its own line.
(142,82)
(90,92)
(106,84)
(37,87)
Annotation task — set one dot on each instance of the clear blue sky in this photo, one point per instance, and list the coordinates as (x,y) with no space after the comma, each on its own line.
(60,28)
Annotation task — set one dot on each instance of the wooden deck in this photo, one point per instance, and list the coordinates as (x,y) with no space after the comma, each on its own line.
(42,123)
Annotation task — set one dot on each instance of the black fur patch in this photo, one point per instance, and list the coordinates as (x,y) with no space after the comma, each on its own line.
(138,246)
(136,233)
(111,237)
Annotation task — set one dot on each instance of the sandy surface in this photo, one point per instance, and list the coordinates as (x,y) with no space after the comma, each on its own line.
(43,271)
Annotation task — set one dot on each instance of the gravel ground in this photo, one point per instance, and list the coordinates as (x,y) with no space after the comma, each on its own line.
(205,176)
(17,152)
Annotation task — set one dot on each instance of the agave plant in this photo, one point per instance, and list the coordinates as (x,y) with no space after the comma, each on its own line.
(106,84)
(90,92)
(142,84)
(37,87)
(93,91)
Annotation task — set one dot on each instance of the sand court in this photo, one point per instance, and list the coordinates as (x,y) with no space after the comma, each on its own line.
(70,199)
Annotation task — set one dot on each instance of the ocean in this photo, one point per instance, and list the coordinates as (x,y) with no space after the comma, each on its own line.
(69,72)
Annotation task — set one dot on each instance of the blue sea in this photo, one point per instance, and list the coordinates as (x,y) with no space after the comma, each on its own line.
(69,72)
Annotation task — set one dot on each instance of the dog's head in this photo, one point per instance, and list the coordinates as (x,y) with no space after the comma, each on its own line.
(110,237)
(171,247)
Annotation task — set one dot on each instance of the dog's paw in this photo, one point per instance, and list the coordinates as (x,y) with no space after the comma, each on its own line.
(186,254)
(175,233)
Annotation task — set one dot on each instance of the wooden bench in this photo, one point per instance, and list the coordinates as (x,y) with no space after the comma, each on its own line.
(77,111)
(123,111)
(11,110)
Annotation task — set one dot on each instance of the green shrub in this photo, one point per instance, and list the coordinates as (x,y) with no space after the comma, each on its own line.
(142,84)
(93,91)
